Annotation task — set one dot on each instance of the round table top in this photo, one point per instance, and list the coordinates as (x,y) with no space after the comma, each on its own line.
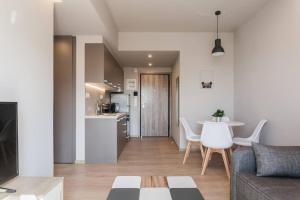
(230,123)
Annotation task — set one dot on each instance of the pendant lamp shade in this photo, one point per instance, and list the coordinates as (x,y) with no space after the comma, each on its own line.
(218,50)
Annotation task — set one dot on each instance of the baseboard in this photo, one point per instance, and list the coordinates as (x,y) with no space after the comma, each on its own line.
(79,162)
(135,136)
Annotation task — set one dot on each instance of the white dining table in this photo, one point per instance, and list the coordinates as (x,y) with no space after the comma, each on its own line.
(230,123)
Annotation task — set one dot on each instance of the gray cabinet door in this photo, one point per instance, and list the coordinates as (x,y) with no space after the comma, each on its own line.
(64,99)
(102,67)
(101,141)
(122,135)
(108,66)
(94,63)
(113,73)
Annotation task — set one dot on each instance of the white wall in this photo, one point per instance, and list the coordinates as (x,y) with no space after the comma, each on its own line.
(81,40)
(175,129)
(129,73)
(26,65)
(267,84)
(108,27)
(195,55)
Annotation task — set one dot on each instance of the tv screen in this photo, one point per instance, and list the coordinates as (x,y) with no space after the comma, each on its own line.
(8,141)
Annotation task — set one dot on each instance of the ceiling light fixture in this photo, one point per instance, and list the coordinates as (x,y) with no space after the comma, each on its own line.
(218,50)
(57,1)
(150,64)
(149,55)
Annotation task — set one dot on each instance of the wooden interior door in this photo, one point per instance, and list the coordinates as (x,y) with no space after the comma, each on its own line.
(154,105)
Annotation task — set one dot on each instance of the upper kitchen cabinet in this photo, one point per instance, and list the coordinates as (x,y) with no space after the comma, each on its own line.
(94,63)
(102,67)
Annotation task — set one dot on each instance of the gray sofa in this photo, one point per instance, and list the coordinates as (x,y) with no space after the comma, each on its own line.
(245,185)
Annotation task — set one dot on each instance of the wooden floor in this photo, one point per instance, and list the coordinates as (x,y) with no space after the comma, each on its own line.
(146,157)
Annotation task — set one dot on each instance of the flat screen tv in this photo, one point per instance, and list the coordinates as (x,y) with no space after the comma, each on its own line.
(8,141)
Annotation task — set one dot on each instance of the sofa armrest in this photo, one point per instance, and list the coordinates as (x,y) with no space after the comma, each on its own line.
(243,160)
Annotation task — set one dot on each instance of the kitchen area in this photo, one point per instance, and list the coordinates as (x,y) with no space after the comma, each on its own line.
(99,102)
(106,129)
(107,107)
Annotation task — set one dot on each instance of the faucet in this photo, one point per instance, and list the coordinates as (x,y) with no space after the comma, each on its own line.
(98,107)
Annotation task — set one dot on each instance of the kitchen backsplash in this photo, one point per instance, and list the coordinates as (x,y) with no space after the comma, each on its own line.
(91,97)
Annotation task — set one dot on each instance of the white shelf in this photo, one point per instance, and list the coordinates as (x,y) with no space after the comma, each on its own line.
(34,188)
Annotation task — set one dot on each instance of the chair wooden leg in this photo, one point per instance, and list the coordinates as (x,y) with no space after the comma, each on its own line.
(203,159)
(207,156)
(202,151)
(210,156)
(187,152)
(225,159)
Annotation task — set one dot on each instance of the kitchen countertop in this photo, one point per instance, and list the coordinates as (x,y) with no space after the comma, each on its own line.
(106,116)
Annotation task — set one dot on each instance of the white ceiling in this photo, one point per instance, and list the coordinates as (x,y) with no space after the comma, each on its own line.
(180,15)
(107,17)
(76,17)
(140,58)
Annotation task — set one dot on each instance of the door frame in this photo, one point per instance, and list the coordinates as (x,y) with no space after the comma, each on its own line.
(169,92)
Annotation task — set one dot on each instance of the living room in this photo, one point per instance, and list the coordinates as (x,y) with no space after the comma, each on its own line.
(253,78)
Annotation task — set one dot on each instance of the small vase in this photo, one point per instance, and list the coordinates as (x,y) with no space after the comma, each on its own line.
(218,119)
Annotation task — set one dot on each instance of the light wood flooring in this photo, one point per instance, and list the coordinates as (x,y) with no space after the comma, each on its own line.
(146,157)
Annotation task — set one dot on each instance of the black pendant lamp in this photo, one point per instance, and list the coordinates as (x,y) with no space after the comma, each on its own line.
(218,50)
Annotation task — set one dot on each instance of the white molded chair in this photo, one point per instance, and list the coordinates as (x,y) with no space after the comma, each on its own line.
(227,119)
(253,138)
(217,138)
(191,138)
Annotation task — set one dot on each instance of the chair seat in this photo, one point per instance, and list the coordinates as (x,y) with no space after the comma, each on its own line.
(242,141)
(195,138)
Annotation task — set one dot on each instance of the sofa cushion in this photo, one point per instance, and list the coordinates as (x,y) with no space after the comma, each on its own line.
(251,187)
(277,161)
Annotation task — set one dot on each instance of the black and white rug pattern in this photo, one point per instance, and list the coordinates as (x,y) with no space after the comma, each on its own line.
(179,188)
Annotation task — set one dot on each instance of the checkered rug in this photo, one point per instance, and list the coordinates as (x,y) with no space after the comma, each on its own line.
(177,188)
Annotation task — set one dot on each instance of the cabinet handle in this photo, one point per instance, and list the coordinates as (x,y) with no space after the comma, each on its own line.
(125,124)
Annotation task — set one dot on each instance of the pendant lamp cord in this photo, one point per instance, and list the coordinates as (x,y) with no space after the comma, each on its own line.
(217,26)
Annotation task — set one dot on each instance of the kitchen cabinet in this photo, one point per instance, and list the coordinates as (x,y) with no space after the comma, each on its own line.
(105,138)
(64,99)
(122,134)
(94,63)
(102,67)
